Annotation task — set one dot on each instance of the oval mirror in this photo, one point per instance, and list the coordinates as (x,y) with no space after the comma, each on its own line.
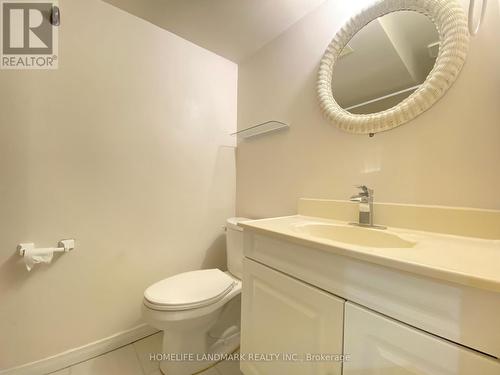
(391,62)
(385,62)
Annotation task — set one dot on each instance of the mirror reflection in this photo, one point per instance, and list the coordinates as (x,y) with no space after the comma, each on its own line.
(385,62)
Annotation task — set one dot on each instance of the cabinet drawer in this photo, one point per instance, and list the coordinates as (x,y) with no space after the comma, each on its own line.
(378,345)
(283,315)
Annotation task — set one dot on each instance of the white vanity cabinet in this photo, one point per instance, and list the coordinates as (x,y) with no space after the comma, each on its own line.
(287,318)
(378,345)
(298,298)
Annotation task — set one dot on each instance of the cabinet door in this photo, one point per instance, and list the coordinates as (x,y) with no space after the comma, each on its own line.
(377,345)
(281,315)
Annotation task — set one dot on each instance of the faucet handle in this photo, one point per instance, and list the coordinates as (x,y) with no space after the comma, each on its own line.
(365,190)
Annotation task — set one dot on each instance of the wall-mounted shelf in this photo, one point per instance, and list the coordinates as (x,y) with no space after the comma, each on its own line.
(259,129)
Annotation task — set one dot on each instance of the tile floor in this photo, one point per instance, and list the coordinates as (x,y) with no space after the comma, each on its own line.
(133,359)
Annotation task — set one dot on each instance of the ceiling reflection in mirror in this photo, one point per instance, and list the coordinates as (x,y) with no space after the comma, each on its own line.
(385,62)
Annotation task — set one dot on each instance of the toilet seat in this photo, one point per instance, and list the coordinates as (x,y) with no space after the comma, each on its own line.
(189,290)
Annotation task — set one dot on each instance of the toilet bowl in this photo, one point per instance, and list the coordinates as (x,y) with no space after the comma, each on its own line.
(198,311)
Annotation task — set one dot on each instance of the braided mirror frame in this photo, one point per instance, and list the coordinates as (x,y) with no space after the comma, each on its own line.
(451,23)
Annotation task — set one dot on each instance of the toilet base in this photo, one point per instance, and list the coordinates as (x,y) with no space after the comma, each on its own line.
(193,345)
(206,360)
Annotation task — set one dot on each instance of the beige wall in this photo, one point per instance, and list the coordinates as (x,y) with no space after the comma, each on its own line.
(124,148)
(233,29)
(450,155)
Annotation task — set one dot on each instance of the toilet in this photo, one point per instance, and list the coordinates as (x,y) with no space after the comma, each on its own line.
(199,311)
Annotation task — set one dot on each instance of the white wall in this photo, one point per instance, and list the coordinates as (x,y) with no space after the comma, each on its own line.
(447,156)
(123,148)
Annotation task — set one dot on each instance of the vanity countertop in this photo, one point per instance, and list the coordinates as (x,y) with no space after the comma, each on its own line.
(468,261)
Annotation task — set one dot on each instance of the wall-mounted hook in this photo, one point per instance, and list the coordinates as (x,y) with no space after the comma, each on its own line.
(473,30)
(55,16)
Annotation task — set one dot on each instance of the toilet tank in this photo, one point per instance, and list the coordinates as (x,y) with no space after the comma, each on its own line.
(234,246)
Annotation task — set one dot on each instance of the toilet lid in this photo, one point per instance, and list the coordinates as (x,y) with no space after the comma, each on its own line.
(190,289)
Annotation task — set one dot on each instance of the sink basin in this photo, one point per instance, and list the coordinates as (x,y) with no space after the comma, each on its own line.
(354,235)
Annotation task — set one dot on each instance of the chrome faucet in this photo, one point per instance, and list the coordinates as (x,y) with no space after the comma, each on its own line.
(365,200)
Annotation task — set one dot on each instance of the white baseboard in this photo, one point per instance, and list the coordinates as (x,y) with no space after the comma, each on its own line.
(83,353)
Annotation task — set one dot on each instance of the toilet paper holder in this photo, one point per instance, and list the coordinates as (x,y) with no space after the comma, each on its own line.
(63,246)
